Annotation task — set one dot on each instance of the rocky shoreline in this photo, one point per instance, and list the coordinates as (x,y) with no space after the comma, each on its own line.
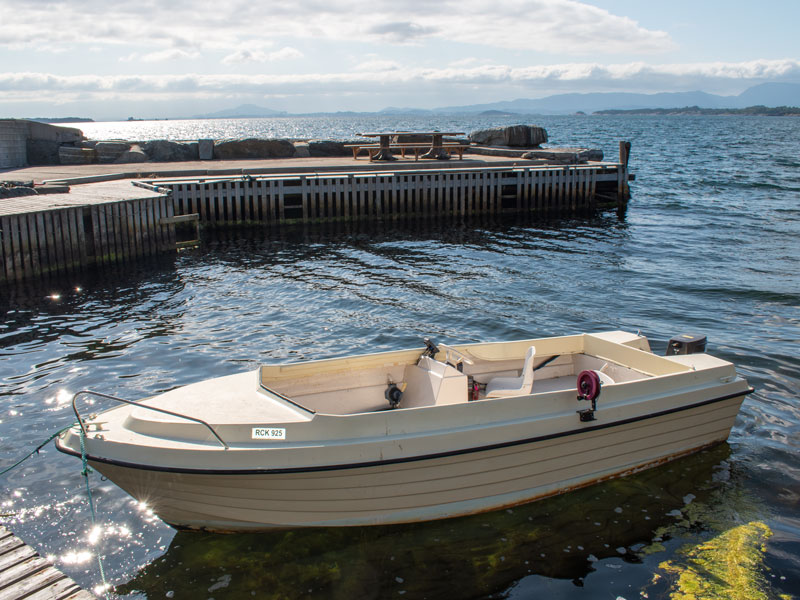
(53,145)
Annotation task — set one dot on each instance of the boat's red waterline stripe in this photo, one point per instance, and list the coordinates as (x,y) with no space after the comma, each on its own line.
(393,461)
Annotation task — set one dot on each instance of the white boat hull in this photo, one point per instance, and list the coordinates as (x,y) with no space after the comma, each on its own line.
(424,489)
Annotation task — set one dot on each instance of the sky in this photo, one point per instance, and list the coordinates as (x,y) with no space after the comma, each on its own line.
(111,59)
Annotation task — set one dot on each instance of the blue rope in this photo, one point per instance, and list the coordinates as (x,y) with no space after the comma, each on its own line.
(86,471)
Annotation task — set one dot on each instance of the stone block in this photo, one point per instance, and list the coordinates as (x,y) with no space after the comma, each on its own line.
(205,149)
(69,155)
(301,150)
(133,155)
(168,151)
(110,151)
(514,136)
(233,149)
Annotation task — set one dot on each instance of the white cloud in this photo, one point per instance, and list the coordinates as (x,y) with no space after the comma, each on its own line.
(161,56)
(377,64)
(245,55)
(554,26)
(537,80)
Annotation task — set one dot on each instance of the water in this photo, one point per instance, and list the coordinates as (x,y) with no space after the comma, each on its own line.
(710,243)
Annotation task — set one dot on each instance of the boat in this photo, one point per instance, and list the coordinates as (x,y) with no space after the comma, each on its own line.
(408,435)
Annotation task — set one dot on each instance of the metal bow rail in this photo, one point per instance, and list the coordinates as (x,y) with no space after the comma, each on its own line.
(140,405)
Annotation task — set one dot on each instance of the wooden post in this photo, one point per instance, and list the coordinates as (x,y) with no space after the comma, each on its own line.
(622,173)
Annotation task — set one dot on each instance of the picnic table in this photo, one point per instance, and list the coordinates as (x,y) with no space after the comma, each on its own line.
(436,152)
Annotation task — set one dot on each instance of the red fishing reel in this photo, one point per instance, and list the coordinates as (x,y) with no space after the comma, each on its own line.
(588,389)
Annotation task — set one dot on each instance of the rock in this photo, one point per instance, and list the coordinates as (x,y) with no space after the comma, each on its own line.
(253,148)
(133,155)
(565,156)
(68,155)
(488,137)
(110,151)
(205,149)
(167,151)
(301,150)
(328,148)
(515,136)
(10,189)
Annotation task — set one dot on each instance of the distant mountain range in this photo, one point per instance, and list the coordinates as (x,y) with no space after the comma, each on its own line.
(766,94)
(245,111)
(760,110)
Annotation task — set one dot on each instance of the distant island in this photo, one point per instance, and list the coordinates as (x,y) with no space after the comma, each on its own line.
(62,119)
(777,111)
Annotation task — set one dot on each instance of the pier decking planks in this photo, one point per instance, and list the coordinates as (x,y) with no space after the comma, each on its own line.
(25,574)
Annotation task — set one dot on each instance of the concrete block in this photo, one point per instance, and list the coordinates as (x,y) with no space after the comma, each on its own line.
(205,149)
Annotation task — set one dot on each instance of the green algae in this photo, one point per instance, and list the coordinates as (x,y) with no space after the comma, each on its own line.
(726,567)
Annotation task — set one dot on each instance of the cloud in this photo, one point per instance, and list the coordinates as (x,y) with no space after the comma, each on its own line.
(535,80)
(161,56)
(377,64)
(254,55)
(399,32)
(553,26)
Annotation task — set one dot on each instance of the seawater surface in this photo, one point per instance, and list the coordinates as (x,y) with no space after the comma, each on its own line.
(710,243)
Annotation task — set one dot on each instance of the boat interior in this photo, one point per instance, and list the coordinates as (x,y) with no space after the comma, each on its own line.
(441,375)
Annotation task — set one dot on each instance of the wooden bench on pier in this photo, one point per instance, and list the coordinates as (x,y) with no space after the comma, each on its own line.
(416,148)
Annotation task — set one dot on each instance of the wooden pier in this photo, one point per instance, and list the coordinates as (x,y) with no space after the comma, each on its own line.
(25,574)
(426,193)
(93,225)
(118,221)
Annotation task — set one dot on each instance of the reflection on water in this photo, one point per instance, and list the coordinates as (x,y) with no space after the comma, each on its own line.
(611,527)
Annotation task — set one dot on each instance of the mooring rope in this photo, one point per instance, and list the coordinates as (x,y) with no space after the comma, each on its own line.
(36,450)
(85,471)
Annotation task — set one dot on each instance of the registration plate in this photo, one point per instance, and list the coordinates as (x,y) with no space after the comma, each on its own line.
(269,433)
